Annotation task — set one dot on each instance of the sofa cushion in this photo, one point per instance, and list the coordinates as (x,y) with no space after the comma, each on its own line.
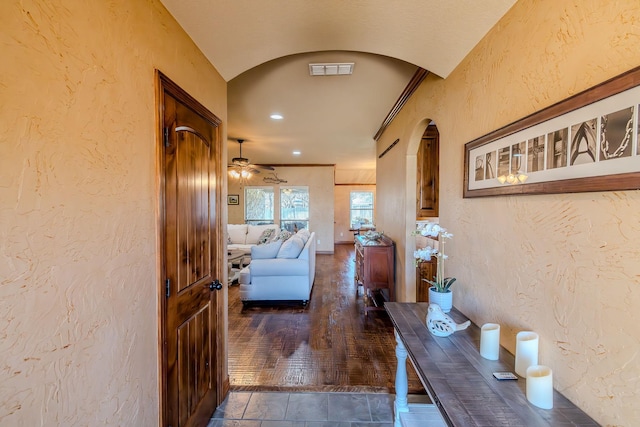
(305,234)
(291,248)
(237,233)
(255,231)
(266,251)
(278,267)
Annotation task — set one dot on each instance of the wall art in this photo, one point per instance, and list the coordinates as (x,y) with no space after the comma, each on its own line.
(588,142)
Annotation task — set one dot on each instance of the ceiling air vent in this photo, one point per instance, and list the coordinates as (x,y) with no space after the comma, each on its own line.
(331,69)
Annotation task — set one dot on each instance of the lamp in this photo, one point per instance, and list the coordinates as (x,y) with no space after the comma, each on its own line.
(240,174)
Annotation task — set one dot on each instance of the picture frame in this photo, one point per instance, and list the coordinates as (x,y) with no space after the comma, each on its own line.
(588,142)
(233,199)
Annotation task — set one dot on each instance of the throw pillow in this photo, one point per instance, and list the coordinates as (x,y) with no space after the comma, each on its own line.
(283,235)
(291,248)
(255,231)
(237,233)
(305,234)
(266,251)
(266,236)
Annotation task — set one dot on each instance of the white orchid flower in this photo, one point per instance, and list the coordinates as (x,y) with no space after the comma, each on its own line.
(432,229)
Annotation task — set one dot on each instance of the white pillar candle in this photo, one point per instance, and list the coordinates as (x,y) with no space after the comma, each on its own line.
(526,351)
(490,341)
(540,386)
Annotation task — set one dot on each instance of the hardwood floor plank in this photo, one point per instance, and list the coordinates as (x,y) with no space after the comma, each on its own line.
(327,346)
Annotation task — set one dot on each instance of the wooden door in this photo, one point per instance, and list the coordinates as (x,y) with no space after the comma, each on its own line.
(425,270)
(427,173)
(192,299)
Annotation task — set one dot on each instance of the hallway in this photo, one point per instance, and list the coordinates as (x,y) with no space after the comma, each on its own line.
(328,346)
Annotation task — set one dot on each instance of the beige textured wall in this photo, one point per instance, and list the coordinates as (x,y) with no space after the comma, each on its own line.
(342,203)
(565,265)
(319,179)
(78,206)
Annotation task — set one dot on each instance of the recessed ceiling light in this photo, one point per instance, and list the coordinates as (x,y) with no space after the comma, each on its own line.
(296,153)
(276,116)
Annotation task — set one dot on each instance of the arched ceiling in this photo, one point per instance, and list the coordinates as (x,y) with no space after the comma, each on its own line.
(263,48)
(237,35)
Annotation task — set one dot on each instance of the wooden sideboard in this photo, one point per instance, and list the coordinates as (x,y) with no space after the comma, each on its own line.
(375,271)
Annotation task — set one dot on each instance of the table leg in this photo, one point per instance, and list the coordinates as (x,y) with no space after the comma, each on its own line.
(402,384)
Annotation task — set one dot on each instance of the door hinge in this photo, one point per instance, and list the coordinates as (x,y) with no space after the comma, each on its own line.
(167,286)
(166,137)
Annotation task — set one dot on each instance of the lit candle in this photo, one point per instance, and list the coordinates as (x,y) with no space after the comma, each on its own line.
(540,386)
(490,341)
(526,351)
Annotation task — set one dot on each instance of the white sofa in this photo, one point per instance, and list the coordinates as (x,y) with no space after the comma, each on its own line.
(278,277)
(242,237)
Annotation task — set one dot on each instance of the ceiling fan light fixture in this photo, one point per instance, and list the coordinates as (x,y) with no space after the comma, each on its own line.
(240,174)
(240,167)
(241,161)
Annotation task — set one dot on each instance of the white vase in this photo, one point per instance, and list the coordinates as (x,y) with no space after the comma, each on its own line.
(443,299)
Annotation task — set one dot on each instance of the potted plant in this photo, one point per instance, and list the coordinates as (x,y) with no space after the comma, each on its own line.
(440,290)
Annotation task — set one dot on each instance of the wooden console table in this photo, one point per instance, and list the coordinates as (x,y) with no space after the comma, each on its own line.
(460,382)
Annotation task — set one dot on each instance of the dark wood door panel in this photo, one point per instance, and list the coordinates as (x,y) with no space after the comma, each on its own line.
(194,368)
(190,308)
(425,271)
(427,174)
(193,219)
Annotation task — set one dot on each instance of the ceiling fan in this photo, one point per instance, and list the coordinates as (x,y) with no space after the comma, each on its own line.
(240,167)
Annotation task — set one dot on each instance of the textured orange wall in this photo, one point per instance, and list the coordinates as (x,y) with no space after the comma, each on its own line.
(565,265)
(78,205)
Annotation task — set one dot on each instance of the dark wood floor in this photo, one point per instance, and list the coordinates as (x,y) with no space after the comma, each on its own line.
(326,346)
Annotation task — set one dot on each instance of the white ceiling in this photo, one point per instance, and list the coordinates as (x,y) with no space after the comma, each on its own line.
(263,49)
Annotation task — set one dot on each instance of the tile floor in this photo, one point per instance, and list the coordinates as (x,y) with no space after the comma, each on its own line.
(281,409)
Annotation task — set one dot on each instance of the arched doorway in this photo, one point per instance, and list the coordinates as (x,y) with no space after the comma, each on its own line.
(423,152)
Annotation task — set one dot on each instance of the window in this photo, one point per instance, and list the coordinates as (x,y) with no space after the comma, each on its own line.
(258,205)
(361,208)
(294,208)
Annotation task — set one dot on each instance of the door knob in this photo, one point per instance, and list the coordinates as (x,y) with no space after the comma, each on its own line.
(215,285)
